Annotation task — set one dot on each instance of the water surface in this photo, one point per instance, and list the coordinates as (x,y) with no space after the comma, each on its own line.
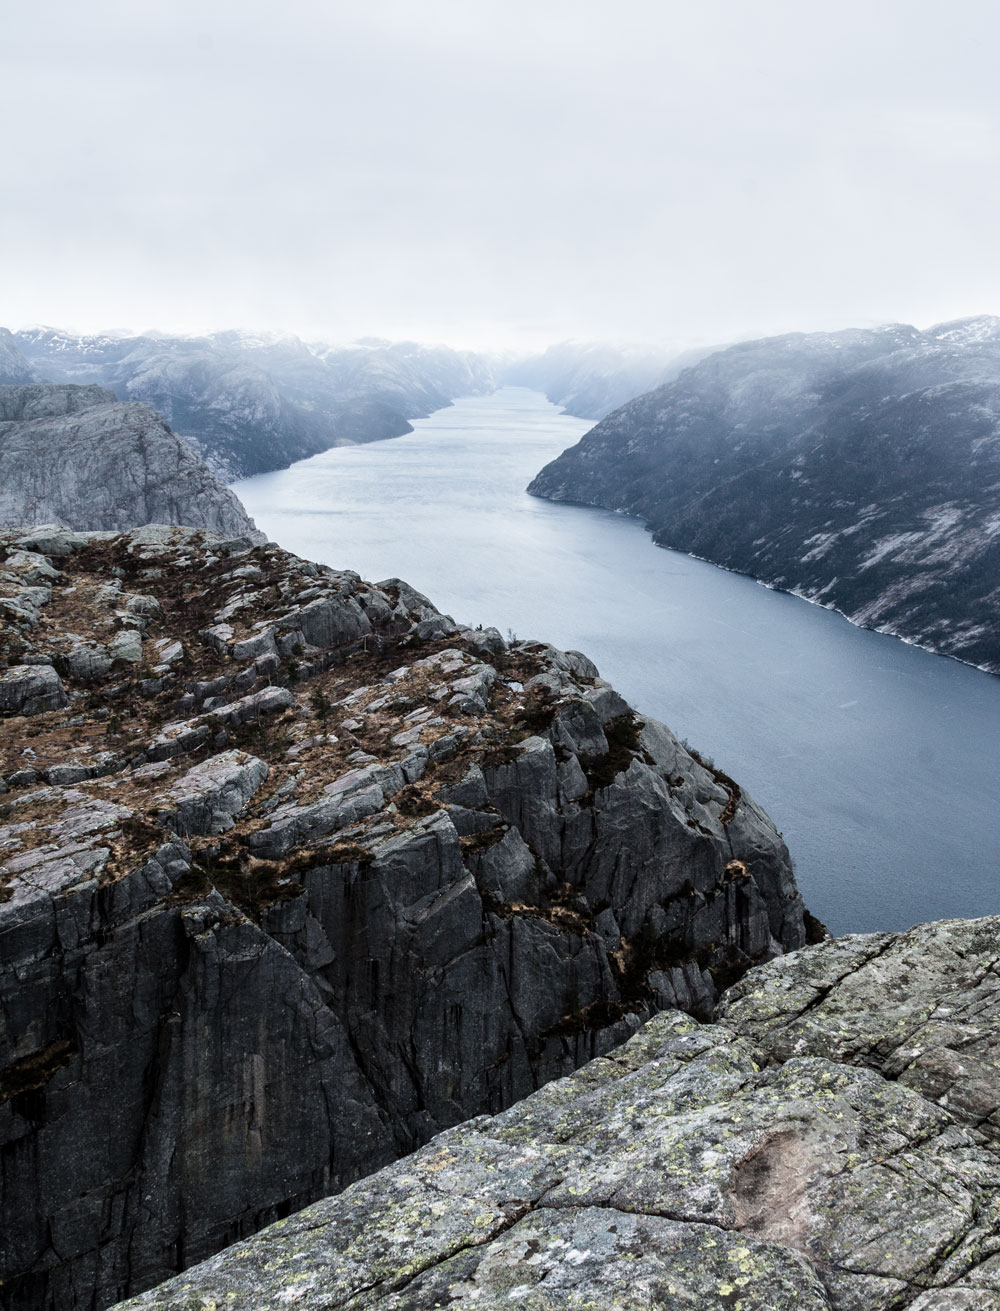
(878,761)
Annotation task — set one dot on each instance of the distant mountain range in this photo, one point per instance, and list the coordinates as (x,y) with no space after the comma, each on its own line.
(860,469)
(590,379)
(251,403)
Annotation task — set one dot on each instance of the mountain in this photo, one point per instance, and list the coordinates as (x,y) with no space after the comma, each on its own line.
(860,469)
(829,1143)
(14,365)
(78,457)
(250,403)
(590,379)
(296,872)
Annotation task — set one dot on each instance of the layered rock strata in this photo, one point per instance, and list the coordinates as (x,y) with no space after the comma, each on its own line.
(296,873)
(830,1143)
(77,456)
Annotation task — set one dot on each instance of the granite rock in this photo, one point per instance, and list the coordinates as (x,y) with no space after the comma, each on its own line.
(315,907)
(828,1144)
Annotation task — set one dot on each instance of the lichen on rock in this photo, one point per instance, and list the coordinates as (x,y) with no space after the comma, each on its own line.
(825,1144)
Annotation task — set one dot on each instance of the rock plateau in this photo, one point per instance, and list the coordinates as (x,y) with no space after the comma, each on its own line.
(297,873)
(830,1143)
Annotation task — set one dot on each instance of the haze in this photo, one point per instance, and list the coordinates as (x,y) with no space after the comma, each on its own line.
(499,173)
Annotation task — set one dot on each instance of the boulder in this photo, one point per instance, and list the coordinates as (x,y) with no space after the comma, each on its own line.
(31,690)
(208,797)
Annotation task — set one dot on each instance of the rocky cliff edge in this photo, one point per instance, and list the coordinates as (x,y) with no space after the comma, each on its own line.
(830,1143)
(296,872)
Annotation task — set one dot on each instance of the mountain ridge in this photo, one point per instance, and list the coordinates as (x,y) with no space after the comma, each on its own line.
(250,403)
(859,469)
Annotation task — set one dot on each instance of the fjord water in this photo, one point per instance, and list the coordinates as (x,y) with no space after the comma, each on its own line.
(878,761)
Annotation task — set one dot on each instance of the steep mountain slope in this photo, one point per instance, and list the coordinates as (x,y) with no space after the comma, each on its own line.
(295,873)
(860,469)
(14,365)
(590,379)
(830,1143)
(77,456)
(248,403)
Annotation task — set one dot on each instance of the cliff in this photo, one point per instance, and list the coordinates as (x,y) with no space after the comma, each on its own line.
(297,873)
(830,1143)
(248,403)
(14,366)
(859,469)
(76,456)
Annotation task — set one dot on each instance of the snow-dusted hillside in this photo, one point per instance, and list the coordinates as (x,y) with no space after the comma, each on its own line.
(249,403)
(860,469)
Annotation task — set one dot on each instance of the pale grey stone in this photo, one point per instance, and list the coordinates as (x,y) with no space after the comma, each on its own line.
(31,690)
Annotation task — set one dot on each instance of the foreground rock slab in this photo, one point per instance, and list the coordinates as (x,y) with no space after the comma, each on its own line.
(828,1144)
(302,873)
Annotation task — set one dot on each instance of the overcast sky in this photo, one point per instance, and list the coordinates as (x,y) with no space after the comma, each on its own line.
(499,173)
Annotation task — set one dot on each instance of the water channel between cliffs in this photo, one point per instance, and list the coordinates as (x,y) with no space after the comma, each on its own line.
(878,761)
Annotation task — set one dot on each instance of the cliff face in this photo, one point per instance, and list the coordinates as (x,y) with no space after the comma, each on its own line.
(297,873)
(248,404)
(859,469)
(830,1143)
(14,366)
(77,456)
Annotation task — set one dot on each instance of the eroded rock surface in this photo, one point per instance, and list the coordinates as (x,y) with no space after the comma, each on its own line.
(304,873)
(829,1144)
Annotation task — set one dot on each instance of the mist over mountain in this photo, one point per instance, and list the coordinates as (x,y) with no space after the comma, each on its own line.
(250,403)
(858,468)
(590,379)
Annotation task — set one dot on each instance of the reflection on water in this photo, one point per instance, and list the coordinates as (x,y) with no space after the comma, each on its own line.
(877,761)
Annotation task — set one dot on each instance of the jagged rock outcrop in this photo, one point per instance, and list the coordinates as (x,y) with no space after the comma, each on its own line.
(305,873)
(859,469)
(830,1143)
(249,403)
(77,456)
